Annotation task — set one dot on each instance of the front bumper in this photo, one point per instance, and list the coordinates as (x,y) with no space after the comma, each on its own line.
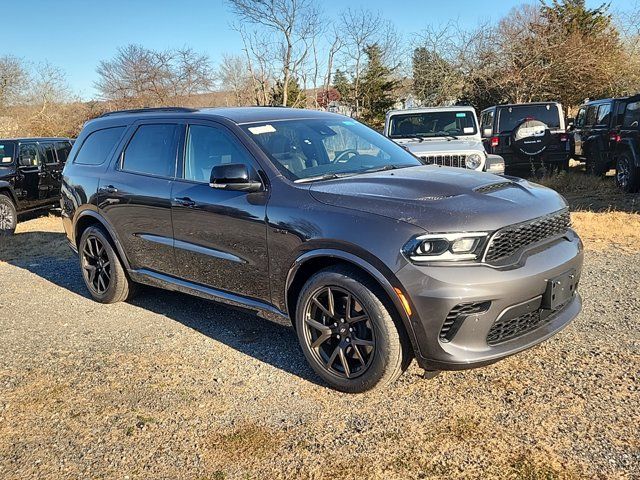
(435,291)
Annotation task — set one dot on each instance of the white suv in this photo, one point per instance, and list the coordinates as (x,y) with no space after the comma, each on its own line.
(447,136)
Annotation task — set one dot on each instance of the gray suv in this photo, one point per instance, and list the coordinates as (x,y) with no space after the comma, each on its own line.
(376,258)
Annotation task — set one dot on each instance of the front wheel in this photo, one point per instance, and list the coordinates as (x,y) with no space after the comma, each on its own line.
(627,174)
(8,216)
(102,271)
(348,333)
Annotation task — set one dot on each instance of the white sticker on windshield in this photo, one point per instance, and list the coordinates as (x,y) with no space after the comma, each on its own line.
(262,129)
(6,159)
(468,130)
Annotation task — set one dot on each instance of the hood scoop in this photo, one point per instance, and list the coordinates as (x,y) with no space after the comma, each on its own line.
(492,187)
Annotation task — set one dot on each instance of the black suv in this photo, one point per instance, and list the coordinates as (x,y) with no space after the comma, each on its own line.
(529,136)
(375,258)
(625,140)
(593,133)
(30,176)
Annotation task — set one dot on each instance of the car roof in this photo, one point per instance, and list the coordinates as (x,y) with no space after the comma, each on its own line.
(238,115)
(35,139)
(453,108)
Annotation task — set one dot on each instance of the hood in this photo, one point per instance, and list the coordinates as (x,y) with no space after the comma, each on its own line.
(441,145)
(441,199)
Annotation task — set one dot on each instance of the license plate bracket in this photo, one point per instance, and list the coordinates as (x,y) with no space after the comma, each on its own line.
(560,290)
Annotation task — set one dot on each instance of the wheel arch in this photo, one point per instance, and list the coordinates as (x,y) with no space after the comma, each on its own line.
(88,218)
(311,262)
(6,188)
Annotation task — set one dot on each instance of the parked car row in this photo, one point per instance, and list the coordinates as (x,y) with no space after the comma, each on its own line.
(375,258)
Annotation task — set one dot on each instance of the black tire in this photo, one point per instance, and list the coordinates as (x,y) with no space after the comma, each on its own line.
(627,174)
(597,163)
(368,366)
(8,216)
(102,270)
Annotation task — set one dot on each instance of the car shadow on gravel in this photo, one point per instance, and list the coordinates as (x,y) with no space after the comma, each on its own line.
(265,340)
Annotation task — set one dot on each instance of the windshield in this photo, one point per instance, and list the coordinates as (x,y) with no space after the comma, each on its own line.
(510,117)
(6,152)
(432,124)
(309,148)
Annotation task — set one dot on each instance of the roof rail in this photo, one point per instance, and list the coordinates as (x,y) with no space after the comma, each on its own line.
(150,110)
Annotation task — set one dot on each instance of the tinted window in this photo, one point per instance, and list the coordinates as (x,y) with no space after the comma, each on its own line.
(152,150)
(632,115)
(604,114)
(592,115)
(432,124)
(312,148)
(29,155)
(511,117)
(98,145)
(208,147)
(62,150)
(49,154)
(582,113)
(7,150)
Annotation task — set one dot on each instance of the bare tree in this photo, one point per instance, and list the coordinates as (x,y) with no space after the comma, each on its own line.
(296,24)
(234,75)
(13,80)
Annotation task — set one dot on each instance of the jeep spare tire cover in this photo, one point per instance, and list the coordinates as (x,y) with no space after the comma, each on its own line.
(531,137)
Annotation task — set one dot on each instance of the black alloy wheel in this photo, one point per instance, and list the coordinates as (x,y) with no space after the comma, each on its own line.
(627,175)
(339,332)
(96,265)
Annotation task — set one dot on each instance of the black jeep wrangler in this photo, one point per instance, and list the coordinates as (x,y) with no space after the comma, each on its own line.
(593,133)
(30,176)
(529,136)
(626,145)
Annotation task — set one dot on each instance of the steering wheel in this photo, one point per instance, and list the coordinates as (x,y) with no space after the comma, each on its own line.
(341,155)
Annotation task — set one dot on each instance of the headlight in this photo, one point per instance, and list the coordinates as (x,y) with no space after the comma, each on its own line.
(445,247)
(473,161)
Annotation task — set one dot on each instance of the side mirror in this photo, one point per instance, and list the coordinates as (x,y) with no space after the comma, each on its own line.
(234,176)
(487,132)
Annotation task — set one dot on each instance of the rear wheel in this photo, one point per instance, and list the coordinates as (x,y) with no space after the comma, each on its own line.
(102,271)
(627,174)
(8,216)
(597,163)
(347,333)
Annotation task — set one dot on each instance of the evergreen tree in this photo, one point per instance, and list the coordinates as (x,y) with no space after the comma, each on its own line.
(296,97)
(343,86)
(376,88)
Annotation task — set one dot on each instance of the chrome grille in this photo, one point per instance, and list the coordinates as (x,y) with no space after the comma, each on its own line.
(445,160)
(511,240)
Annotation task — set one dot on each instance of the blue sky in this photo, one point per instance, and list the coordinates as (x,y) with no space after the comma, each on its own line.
(75,35)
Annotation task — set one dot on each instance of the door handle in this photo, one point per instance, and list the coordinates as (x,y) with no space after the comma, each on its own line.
(109,189)
(184,202)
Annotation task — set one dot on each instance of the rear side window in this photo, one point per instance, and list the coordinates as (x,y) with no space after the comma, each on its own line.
(7,150)
(152,150)
(98,145)
(62,151)
(510,117)
(49,153)
(632,115)
(592,115)
(604,114)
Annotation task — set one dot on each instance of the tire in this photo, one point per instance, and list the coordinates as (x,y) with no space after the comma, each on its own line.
(8,216)
(597,164)
(374,346)
(102,270)
(627,174)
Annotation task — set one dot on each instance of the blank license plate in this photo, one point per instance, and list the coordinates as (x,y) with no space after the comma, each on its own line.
(560,290)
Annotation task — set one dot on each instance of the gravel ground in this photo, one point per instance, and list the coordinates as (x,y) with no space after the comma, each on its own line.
(169,386)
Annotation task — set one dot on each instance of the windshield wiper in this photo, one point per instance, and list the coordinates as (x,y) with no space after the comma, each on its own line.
(442,133)
(326,176)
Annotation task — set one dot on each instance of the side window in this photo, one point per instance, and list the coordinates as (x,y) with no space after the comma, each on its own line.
(582,113)
(152,150)
(591,115)
(632,115)
(604,114)
(487,122)
(29,155)
(62,151)
(49,153)
(208,147)
(98,145)
(6,152)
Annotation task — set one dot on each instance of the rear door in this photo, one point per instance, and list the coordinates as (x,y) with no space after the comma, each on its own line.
(135,194)
(50,170)
(220,235)
(30,186)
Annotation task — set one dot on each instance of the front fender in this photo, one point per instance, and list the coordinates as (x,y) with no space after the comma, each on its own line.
(7,187)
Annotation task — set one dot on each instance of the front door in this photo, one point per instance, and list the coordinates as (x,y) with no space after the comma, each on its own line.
(30,185)
(219,235)
(50,170)
(135,195)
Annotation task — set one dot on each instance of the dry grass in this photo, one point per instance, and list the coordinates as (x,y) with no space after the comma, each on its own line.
(602,230)
(35,238)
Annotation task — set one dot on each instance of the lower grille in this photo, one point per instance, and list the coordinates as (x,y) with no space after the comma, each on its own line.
(504,330)
(457,315)
(445,160)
